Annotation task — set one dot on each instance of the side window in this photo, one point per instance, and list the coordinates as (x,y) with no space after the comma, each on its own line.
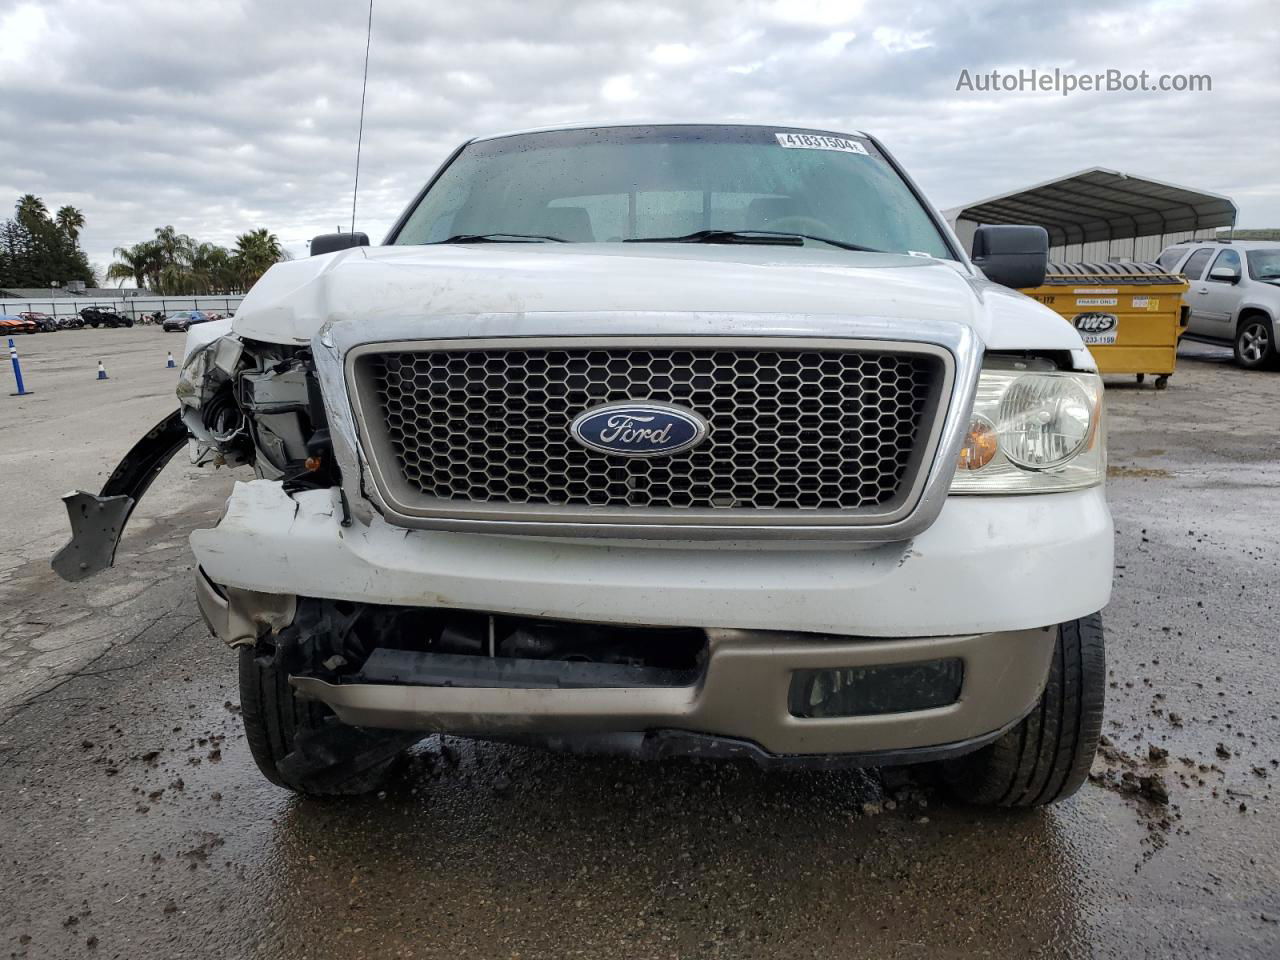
(1194,266)
(1170,257)
(1231,261)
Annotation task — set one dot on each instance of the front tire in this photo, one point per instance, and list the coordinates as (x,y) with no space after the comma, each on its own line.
(1255,346)
(1046,757)
(300,744)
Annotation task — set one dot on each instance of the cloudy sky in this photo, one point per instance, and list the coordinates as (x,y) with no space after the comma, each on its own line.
(218,117)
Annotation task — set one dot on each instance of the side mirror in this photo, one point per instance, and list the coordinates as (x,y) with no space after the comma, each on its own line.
(329,242)
(1013,256)
(1226,274)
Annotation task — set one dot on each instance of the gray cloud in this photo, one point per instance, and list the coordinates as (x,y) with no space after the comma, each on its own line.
(220,117)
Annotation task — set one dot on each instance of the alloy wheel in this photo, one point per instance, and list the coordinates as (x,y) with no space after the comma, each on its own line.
(1255,342)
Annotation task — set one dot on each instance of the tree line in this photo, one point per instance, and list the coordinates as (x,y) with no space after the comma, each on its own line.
(39,250)
(175,264)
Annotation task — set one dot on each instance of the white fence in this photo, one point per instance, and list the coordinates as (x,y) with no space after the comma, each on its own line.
(128,306)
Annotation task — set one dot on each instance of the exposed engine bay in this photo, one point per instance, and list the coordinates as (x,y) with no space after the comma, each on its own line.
(241,402)
(247,402)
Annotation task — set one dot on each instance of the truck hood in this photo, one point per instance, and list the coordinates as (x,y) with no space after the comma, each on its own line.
(295,299)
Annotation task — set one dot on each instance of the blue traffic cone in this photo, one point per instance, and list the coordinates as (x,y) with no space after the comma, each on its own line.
(102,371)
(170,362)
(17,372)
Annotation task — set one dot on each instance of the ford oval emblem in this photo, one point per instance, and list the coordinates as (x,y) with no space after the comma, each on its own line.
(640,429)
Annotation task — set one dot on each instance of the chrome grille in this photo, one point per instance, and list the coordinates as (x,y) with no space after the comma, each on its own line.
(790,429)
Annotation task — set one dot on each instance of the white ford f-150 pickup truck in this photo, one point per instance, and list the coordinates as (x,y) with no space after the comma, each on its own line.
(664,439)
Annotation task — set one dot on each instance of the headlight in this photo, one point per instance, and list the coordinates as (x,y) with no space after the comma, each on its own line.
(1033,431)
(206,368)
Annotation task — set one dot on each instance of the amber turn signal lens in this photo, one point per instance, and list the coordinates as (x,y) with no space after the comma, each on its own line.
(313,463)
(979,445)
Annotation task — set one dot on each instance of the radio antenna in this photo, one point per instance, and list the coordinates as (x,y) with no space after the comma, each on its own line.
(355,189)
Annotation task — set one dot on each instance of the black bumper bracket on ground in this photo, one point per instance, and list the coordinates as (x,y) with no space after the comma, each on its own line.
(98,521)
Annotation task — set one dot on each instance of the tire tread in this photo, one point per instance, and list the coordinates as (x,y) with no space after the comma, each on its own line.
(274,717)
(1047,755)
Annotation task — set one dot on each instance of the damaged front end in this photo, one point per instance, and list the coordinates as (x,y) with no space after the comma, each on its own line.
(98,520)
(241,403)
(255,404)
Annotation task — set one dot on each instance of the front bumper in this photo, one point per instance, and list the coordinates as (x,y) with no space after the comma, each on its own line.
(980,584)
(741,695)
(986,565)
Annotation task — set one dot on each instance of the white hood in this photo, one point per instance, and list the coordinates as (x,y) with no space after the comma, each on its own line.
(294,299)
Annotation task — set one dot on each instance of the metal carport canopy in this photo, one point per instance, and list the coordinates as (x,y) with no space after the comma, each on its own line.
(1101,204)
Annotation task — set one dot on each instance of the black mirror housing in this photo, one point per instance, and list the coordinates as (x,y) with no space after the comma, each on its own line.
(1012,256)
(329,242)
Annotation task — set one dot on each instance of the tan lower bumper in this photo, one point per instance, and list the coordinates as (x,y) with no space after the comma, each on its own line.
(742,694)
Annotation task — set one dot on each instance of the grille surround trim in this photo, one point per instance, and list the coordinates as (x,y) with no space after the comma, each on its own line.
(958,356)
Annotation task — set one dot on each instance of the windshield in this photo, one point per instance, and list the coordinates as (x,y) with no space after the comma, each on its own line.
(1264,264)
(614,184)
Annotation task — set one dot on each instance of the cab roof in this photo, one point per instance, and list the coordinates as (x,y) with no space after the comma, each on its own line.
(589,124)
(1227,242)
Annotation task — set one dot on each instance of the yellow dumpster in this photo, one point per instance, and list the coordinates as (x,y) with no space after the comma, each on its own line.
(1130,314)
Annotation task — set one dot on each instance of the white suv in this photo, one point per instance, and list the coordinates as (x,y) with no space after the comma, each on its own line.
(1234,295)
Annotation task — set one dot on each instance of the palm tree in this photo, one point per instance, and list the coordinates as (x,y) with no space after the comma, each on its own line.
(208,267)
(255,252)
(70,221)
(132,263)
(226,273)
(119,270)
(153,258)
(173,280)
(174,247)
(31,210)
(174,263)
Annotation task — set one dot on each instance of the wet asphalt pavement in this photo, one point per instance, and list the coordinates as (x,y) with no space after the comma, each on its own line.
(134,825)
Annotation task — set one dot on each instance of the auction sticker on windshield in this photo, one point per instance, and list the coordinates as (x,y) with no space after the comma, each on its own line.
(814,141)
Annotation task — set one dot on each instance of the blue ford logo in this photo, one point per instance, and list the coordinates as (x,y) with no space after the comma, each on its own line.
(638,429)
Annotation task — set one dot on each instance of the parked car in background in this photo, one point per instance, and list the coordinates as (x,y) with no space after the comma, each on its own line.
(184,320)
(44,323)
(10,324)
(1234,295)
(100,317)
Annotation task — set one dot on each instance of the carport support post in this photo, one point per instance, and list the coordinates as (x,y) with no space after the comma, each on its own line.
(17,371)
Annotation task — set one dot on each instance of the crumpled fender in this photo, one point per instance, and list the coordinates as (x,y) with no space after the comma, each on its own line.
(98,521)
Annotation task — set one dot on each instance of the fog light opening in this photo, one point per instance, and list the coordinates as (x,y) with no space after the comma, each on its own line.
(874,690)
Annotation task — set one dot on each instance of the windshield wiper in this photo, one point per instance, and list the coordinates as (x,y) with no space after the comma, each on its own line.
(499,238)
(726,236)
(777,237)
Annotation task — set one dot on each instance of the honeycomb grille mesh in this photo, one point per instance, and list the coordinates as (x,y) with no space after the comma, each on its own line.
(789,429)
